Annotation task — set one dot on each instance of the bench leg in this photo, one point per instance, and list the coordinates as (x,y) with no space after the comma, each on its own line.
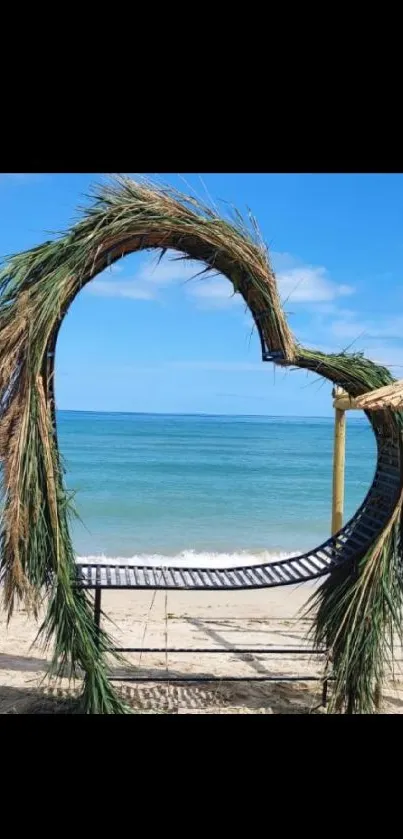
(324,693)
(97,612)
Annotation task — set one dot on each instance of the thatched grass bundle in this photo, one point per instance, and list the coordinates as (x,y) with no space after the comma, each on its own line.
(390,396)
(355,614)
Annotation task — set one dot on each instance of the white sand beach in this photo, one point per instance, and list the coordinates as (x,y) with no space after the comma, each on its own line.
(187,619)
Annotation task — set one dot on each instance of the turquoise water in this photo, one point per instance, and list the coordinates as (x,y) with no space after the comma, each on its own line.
(195,486)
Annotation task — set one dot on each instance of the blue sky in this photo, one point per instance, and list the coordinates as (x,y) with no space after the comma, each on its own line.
(141,338)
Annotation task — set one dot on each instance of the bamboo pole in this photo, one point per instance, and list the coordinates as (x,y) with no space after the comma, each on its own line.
(345,402)
(339,456)
(342,403)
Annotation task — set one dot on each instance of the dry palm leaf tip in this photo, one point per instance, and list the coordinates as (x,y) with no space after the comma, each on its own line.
(356,612)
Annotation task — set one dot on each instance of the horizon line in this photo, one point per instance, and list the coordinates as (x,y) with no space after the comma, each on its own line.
(197,414)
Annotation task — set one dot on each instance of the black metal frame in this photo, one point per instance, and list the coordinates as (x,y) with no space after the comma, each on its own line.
(348,545)
(272,650)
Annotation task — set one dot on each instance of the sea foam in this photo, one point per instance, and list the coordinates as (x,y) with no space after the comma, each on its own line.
(190,559)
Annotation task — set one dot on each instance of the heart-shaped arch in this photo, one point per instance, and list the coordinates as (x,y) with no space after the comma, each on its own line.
(37,288)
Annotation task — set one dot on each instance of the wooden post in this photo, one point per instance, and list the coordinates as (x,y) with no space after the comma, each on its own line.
(342,403)
(339,455)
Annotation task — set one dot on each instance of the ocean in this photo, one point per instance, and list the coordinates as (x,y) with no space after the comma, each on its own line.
(206,489)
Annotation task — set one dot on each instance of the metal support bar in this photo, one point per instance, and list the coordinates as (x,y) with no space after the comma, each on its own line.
(238,650)
(97,612)
(186,679)
(272,355)
(263,651)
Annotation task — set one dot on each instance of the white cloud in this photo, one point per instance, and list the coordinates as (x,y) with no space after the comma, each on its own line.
(129,287)
(168,270)
(351,326)
(283,261)
(214,292)
(297,282)
(308,284)
(390,356)
(329,309)
(381,341)
(390,327)
(302,283)
(208,291)
(120,288)
(150,277)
